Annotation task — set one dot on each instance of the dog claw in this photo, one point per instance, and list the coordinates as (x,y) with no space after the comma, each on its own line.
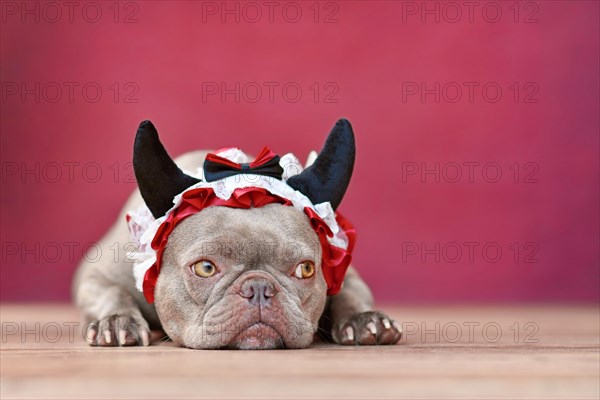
(372,328)
(91,335)
(145,337)
(350,333)
(386,323)
(122,337)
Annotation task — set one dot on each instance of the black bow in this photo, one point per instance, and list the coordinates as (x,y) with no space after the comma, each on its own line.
(266,163)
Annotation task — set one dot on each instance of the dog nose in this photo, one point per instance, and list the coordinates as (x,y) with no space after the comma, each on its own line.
(258,291)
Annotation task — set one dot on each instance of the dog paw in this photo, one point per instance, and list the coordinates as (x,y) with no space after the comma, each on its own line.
(367,328)
(118,330)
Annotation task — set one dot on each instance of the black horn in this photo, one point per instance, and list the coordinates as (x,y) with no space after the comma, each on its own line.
(328,178)
(158,177)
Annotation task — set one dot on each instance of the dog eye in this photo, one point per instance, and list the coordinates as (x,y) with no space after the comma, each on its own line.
(204,269)
(304,270)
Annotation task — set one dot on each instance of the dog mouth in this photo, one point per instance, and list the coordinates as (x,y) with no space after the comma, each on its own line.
(258,336)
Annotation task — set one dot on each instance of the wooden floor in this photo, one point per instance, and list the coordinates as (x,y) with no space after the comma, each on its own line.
(447,352)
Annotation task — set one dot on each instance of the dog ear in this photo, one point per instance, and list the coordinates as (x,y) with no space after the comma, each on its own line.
(158,177)
(328,177)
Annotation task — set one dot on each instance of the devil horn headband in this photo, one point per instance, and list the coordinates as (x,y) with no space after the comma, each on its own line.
(160,180)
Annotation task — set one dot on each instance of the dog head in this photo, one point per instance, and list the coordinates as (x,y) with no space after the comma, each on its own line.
(242,278)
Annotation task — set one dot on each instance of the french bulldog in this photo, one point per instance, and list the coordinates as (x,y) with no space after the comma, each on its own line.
(241,295)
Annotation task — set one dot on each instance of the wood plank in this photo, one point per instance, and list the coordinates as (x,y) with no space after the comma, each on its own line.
(447,352)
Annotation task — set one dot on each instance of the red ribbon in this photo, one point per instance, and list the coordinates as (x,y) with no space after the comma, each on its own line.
(222,160)
(264,155)
(335,260)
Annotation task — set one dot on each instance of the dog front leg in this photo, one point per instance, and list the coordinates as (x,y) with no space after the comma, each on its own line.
(353,321)
(112,315)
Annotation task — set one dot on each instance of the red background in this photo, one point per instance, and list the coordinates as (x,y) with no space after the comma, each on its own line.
(368,53)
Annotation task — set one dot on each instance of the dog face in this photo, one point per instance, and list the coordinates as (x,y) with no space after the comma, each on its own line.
(242,278)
